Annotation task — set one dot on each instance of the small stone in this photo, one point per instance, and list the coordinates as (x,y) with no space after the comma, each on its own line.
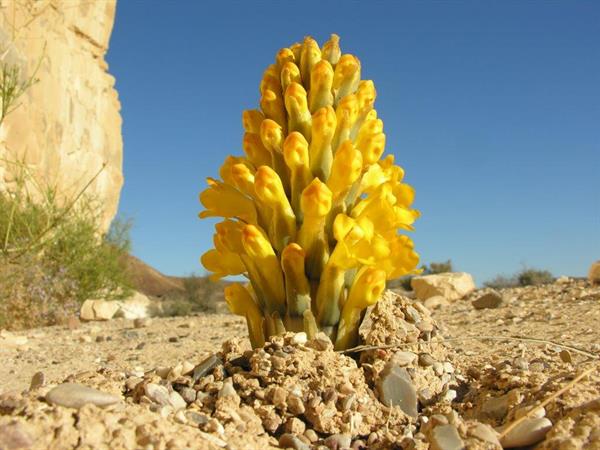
(295,426)
(396,388)
(402,359)
(14,436)
(37,381)
(196,418)
(435,302)
(188,394)
(359,445)
(278,396)
(299,338)
(158,394)
(425,360)
(173,339)
(295,405)
(311,435)
(288,440)
(490,299)
(528,432)
(73,323)
(565,356)
(446,437)
(322,342)
(73,395)
(141,322)
(187,368)
(180,417)
(177,401)
(206,366)
(100,338)
(85,339)
(484,432)
(338,441)
(520,363)
(563,279)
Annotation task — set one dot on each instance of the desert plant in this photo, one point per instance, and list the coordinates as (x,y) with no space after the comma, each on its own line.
(52,254)
(311,211)
(502,282)
(438,267)
(534,277)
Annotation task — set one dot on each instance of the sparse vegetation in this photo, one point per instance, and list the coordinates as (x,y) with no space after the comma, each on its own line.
(526,277)
(53,256)
(201,295)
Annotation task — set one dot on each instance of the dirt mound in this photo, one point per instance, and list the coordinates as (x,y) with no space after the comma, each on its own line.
(149,281)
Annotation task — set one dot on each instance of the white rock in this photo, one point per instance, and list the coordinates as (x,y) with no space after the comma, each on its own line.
(98,310)
(528,432)
(73,395)
(137,306)
(446,437)
(10,340)
(452,286)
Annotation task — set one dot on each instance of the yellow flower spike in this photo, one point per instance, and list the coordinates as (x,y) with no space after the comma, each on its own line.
(324,123)
(295,153)
(272,106)
(240,302)
(346,115)
(366,290)
(222,264)
(299,117)
(297,288)
(284,56)
(221,199)
(269,189)
(269,276)
(313,210)
(321,81)
(310,54)
(345,170)
(251,120)
(315,204)
(331,50)
(289,74)
(256,152)
(346,76)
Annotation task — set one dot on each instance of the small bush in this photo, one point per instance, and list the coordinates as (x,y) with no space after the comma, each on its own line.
(502,282)
(201,295)
(534,277)
(53,257)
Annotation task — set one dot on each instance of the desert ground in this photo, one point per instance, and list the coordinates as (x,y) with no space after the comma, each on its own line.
(193,382)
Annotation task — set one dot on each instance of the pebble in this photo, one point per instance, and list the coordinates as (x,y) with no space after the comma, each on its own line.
(528,432)
(395,388)
(295,426)
(177,401)
(565,356)
(141,322)
(299,338)
(37,381)
(311,435)
(403,358)
(288,440)
(188,394)
(446,437)
(520,363)
(73,395)
(491,300)
(205,366)
(13,436)
(338,441)
(158,394)
(425,360)
(196,418)
(295,405)
(484,432)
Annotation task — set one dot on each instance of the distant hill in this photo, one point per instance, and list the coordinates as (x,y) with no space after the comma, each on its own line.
(151,282)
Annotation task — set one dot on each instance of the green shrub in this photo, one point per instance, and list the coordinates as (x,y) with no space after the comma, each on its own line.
(534,277)
(438,267)
(53,256)
(502,282)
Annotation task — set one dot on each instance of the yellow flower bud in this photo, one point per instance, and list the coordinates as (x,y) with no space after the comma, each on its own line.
(251,120)
(346,169)
(284,56)
(321,153)
(240,302)
(295,153)
(366,290)
(289,74)
(297,288)
(346,115)
(309,56)
(331,50)
(321,81)
(346,76)
(272,106)
(256,151)
(299,118)
(221,199)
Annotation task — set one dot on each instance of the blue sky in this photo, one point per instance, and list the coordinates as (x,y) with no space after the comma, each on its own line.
(492,108)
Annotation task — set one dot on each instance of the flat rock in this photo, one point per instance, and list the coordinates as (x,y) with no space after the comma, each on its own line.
(206,366)
(451,286)
(484,432)
(158,394)
(490,299)
(73,395)
(395,388)
(98,310)
(528,432)
(446,437)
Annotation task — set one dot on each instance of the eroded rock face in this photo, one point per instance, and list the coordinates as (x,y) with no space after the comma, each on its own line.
(67,125)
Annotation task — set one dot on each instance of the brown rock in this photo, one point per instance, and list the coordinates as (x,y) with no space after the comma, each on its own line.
(490,299)
(594,273)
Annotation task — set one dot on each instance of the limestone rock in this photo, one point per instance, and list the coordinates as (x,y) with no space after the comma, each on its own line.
(594,273)
(396,389)
(452,286)
(98,310)
(528,432)
(73,395)
(137,306)
(67,126)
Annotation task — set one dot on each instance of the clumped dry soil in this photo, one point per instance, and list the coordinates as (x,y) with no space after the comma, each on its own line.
(193,382)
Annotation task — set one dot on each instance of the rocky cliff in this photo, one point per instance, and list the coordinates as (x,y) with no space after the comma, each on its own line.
(67,126)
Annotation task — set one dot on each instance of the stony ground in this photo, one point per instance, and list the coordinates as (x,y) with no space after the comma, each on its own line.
(171,383)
